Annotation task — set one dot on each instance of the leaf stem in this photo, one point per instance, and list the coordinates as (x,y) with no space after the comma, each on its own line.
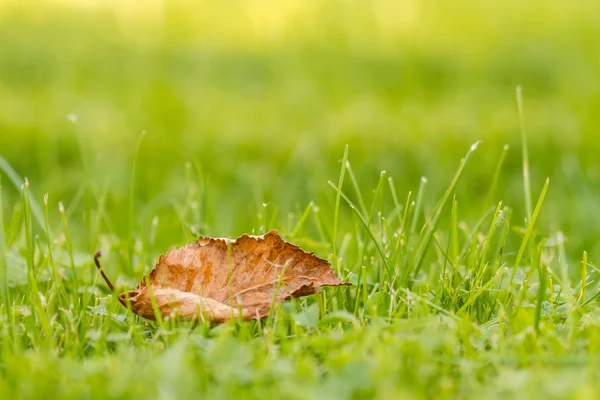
(97,262)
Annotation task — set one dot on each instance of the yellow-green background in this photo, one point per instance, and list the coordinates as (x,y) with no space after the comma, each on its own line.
(264,95)
(247,107)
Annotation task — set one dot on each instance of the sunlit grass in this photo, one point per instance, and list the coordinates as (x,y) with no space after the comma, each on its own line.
(432,311)
(383,136)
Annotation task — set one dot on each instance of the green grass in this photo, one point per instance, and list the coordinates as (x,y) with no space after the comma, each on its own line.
(465,214)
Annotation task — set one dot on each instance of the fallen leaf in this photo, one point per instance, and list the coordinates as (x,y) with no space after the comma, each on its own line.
(218,279)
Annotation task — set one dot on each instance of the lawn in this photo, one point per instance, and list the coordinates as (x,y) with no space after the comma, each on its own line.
(441,155)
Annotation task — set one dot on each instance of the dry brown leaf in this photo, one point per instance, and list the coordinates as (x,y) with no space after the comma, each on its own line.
(218,279)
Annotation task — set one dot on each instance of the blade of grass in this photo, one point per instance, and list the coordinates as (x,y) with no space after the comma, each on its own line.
(131,241)
(57,278)
(361,202)
(496,177)
(418,205)
(368,228)
(541,295)
(490,234)
(529,230)
(34,293)
(525,153)
(336,213)
(376,196)
(302,219)
(69,244)
(476,293)
(3,264)
(591,299)
(584,277)
(434,219)
(454,231)
(17,181)
(397,205)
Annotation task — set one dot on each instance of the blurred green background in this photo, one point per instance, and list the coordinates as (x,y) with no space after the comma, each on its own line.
(261,97)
